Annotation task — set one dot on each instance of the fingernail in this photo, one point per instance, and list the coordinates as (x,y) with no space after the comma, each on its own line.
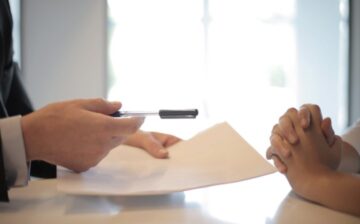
(303,122)
(163,151)
(293,138)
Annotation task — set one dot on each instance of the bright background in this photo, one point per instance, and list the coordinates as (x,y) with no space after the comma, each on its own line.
(241,61)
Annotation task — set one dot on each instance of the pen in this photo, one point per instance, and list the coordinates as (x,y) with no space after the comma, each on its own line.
(164,114)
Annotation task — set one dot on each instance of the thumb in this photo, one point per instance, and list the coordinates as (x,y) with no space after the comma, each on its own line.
(100,105)
(338,143)
(328,131)
(151,145)
(155,148)
(336,150)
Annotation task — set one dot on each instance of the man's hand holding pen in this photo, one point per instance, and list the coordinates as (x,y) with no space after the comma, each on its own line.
(78,134)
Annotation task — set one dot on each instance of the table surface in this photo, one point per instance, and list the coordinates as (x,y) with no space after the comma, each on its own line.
(267,199)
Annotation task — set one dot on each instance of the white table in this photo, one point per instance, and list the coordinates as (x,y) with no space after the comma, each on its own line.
(262,200)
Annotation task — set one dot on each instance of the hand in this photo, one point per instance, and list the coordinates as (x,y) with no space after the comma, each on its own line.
(285,130)
(154,143)
(312,156)
(75,134)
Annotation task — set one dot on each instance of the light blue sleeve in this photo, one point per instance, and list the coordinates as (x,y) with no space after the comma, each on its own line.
(352,136)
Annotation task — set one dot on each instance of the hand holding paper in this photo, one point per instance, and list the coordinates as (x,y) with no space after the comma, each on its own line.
(217,155)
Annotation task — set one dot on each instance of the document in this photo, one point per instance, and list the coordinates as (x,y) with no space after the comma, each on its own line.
(215,156)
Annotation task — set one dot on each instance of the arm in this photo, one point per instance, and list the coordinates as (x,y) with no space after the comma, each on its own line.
(3,186)
(311,167)
(285,130)
(75,134)
(336,190)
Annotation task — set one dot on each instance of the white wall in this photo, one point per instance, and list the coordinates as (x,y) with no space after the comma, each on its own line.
(15,11)
(63,49)
(322,68)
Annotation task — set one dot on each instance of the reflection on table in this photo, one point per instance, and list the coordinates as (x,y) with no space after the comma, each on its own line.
(261,200)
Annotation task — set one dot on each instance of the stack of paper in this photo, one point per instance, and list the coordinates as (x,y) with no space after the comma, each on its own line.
(217,155)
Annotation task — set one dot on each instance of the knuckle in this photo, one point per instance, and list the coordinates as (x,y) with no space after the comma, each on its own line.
(304,113)
(99,101)
(75,103)
(274,128)
(284,123)
(316,108)
(274,140)
(305,106)
(282,118)
(292,110)
(269,153)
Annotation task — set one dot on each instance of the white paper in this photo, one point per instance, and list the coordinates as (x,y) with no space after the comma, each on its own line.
(215,156)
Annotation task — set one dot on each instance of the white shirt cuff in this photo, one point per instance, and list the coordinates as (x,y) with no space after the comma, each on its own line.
(352,136)
(16,168)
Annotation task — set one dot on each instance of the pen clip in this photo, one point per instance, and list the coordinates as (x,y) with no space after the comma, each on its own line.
(167,114)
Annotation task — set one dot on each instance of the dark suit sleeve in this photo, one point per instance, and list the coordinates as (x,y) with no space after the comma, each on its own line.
(3,187)
(13,97)
(3,22)
(19,103)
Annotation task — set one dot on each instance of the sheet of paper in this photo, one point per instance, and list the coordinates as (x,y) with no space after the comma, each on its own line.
(215,156)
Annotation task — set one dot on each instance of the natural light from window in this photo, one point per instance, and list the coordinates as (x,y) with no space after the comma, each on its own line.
(235,60)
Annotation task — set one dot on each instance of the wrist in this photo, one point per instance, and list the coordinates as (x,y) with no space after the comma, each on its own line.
(26,126)
(132,140)
(317,186)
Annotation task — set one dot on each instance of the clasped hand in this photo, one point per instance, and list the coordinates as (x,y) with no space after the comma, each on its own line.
(304,146)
